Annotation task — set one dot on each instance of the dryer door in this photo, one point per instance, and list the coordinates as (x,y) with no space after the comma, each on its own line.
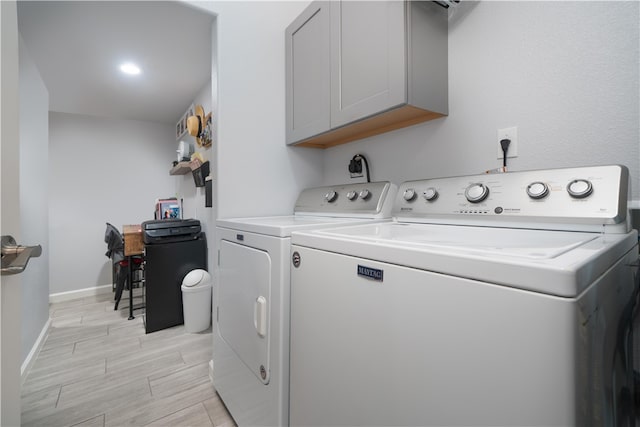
(244,298)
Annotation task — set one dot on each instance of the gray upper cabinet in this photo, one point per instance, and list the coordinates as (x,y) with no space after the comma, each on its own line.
(368,59)
(307,73)
(385,68)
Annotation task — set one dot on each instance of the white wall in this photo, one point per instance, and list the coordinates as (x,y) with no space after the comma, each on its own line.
(256,173)
(564,73)
(101,170)
(34,198)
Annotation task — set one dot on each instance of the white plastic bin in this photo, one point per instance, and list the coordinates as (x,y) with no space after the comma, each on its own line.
(196,300)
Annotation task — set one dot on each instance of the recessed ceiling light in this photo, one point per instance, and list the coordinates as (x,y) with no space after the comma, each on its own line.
(130,68)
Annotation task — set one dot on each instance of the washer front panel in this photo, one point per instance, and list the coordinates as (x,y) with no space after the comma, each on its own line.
(422,348)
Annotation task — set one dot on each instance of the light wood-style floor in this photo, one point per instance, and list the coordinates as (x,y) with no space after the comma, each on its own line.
(96,368)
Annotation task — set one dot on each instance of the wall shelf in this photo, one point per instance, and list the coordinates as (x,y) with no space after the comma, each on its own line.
(182,168)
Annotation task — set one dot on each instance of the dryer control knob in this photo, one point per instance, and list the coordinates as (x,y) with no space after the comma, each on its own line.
(537,190)
(580,188)
(475,193)
(331,196)
(352,195)
(430,194)
(409,194)
(365,194)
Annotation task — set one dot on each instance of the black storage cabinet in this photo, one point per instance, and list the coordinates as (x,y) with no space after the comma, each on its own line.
(166,265)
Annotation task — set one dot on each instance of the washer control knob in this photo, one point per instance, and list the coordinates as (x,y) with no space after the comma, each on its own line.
(430,194)
(409,194)
(476,193)
(365,194)
(579,188)
(537,190)
(352,195)
(331,196)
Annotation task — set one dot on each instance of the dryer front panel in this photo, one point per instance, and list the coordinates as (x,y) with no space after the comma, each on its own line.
(245,303)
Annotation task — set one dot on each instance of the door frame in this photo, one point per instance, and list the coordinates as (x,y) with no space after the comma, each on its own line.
(10,286)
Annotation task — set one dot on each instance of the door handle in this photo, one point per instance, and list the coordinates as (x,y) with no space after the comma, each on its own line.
(260,316)
(16,257)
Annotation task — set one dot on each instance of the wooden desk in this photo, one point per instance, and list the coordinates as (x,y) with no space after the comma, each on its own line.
(133,245)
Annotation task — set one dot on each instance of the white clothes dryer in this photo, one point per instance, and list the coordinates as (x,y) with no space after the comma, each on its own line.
(491,300)
(251,295)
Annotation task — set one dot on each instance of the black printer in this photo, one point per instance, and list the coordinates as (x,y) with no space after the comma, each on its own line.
(170,230)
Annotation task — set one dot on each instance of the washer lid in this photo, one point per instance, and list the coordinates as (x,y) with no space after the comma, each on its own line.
(481,241)
(553,262)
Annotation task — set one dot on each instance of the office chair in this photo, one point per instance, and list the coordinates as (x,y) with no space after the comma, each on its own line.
(120,263)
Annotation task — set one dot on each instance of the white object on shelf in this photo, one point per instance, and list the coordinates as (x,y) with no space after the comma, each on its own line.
(185,150)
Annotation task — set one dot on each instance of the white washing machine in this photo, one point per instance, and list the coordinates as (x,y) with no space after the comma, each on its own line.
(251,295)
(500,300)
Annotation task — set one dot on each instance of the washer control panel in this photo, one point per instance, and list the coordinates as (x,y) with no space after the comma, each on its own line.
(586,195)
(369,198)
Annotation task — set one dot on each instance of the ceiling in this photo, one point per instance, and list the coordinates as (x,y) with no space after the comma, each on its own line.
(78,47)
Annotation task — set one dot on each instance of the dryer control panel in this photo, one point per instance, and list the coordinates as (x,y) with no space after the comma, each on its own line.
(367,199)
(585,198)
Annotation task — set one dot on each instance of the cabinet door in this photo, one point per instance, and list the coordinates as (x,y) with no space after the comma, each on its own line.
(368,68)
(307,73)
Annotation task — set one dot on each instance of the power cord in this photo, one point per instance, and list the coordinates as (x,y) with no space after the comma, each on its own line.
(366,165)
(504,143)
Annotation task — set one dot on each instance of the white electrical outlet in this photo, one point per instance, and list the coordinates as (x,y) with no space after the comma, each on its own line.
(511,134)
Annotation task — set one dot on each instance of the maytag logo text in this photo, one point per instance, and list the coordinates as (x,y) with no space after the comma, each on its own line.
(370,273)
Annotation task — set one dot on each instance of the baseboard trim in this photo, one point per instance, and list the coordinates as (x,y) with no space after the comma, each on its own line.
(31,357)
(80,293)
(211,371)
